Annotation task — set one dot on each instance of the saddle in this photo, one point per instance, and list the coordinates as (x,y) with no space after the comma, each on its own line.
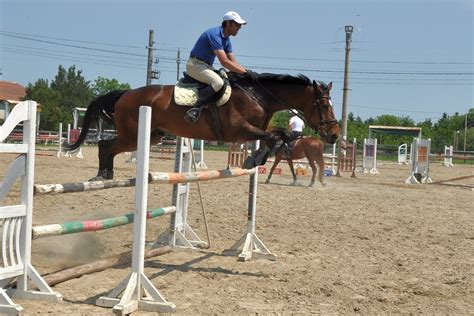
(186,90)
(285,147)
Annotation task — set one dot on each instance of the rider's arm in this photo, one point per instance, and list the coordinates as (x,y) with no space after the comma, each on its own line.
(228,61)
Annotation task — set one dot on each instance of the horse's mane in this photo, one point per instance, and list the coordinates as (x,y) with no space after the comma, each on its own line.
(285,78)
(278,78)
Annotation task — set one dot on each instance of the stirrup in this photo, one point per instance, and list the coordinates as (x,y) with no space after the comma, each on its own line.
(192,115)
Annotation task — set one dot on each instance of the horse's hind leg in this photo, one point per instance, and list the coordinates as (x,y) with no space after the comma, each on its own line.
(313,169)
(106,160)
(292,169)
(277,161)
(320,162)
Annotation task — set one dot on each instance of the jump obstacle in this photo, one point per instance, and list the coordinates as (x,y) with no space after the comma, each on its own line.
(17,219)
(369,156)
(94,225)
(347,159)
(420,160)
(237,155)
(17,262)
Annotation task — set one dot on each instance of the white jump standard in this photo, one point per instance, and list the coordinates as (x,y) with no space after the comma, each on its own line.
(420,159)
(17,219)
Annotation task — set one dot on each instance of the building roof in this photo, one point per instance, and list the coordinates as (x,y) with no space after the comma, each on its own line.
(11,91)
(396,130)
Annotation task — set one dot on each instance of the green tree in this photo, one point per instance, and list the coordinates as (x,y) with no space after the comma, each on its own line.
(102,86)
(280,119)
(72,87)
(356,128)
(387,120)
(48,98)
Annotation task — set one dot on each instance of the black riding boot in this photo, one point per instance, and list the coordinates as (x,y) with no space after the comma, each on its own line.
(193,114)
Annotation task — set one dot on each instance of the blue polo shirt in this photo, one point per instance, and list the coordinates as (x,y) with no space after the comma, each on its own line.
(209,41)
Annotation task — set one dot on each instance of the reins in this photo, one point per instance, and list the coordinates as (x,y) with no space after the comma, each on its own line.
(321,127)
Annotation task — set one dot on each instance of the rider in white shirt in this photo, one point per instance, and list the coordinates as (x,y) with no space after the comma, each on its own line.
(295,126)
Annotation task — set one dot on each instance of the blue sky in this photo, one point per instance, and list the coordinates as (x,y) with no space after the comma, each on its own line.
(411,58)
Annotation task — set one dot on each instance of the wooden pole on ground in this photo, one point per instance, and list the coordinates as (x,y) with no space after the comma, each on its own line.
(100,265)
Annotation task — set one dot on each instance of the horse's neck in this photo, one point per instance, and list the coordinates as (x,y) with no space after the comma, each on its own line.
(289,96)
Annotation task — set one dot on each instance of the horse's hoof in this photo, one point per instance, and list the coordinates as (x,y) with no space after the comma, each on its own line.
(311,184)
(97,178)
(249,163)
(267,182)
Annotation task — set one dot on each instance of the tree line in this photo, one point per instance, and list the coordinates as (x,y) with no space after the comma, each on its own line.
(448,130)
(69,89)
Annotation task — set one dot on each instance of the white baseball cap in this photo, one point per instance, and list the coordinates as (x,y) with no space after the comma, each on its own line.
(233,16)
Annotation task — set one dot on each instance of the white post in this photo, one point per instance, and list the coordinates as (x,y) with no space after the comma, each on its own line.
(60,132)
(252,246)
(201,164)
(137,290)
(448,156)
(180,233)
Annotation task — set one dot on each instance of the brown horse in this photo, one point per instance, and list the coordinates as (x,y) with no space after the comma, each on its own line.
(310,147)
(243,118)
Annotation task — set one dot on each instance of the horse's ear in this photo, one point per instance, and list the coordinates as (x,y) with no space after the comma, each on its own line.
(317,85)
(330,86)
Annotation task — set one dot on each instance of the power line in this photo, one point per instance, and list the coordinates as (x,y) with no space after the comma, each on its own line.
(70,40)
(94,61)
(41,50)
(69,45)
(32,37)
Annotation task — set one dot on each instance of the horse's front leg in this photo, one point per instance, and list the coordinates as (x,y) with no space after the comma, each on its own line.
(267,142)
(277,161)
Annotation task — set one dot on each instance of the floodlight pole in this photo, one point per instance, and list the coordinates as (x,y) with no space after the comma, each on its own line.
(348,29)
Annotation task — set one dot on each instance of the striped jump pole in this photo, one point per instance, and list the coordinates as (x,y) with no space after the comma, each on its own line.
(94,225)
(154,177)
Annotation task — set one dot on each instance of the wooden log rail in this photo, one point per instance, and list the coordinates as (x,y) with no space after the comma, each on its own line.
(154,177)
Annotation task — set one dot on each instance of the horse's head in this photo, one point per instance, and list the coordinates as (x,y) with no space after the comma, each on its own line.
(320,114)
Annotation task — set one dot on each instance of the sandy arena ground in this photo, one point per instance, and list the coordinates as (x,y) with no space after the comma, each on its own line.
(370,245)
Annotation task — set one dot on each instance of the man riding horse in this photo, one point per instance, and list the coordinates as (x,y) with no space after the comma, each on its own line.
(242,115)
(214,42)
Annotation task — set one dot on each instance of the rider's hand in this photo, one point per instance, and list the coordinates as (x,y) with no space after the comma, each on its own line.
(252,75)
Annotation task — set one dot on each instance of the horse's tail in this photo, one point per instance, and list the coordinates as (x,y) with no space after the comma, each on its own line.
(101,108)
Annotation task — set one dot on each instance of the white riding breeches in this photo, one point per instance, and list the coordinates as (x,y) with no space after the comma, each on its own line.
(203,72)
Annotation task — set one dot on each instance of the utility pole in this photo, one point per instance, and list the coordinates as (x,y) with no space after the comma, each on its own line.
(465,130)
(150,58)
(178,61)
(348,29)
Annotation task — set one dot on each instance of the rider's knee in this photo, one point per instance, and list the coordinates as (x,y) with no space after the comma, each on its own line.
(217,83)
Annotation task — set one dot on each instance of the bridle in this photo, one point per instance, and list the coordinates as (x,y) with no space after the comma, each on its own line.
(323,124)
(320,128)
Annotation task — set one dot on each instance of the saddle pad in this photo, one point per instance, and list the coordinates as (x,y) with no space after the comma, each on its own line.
(187,94)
